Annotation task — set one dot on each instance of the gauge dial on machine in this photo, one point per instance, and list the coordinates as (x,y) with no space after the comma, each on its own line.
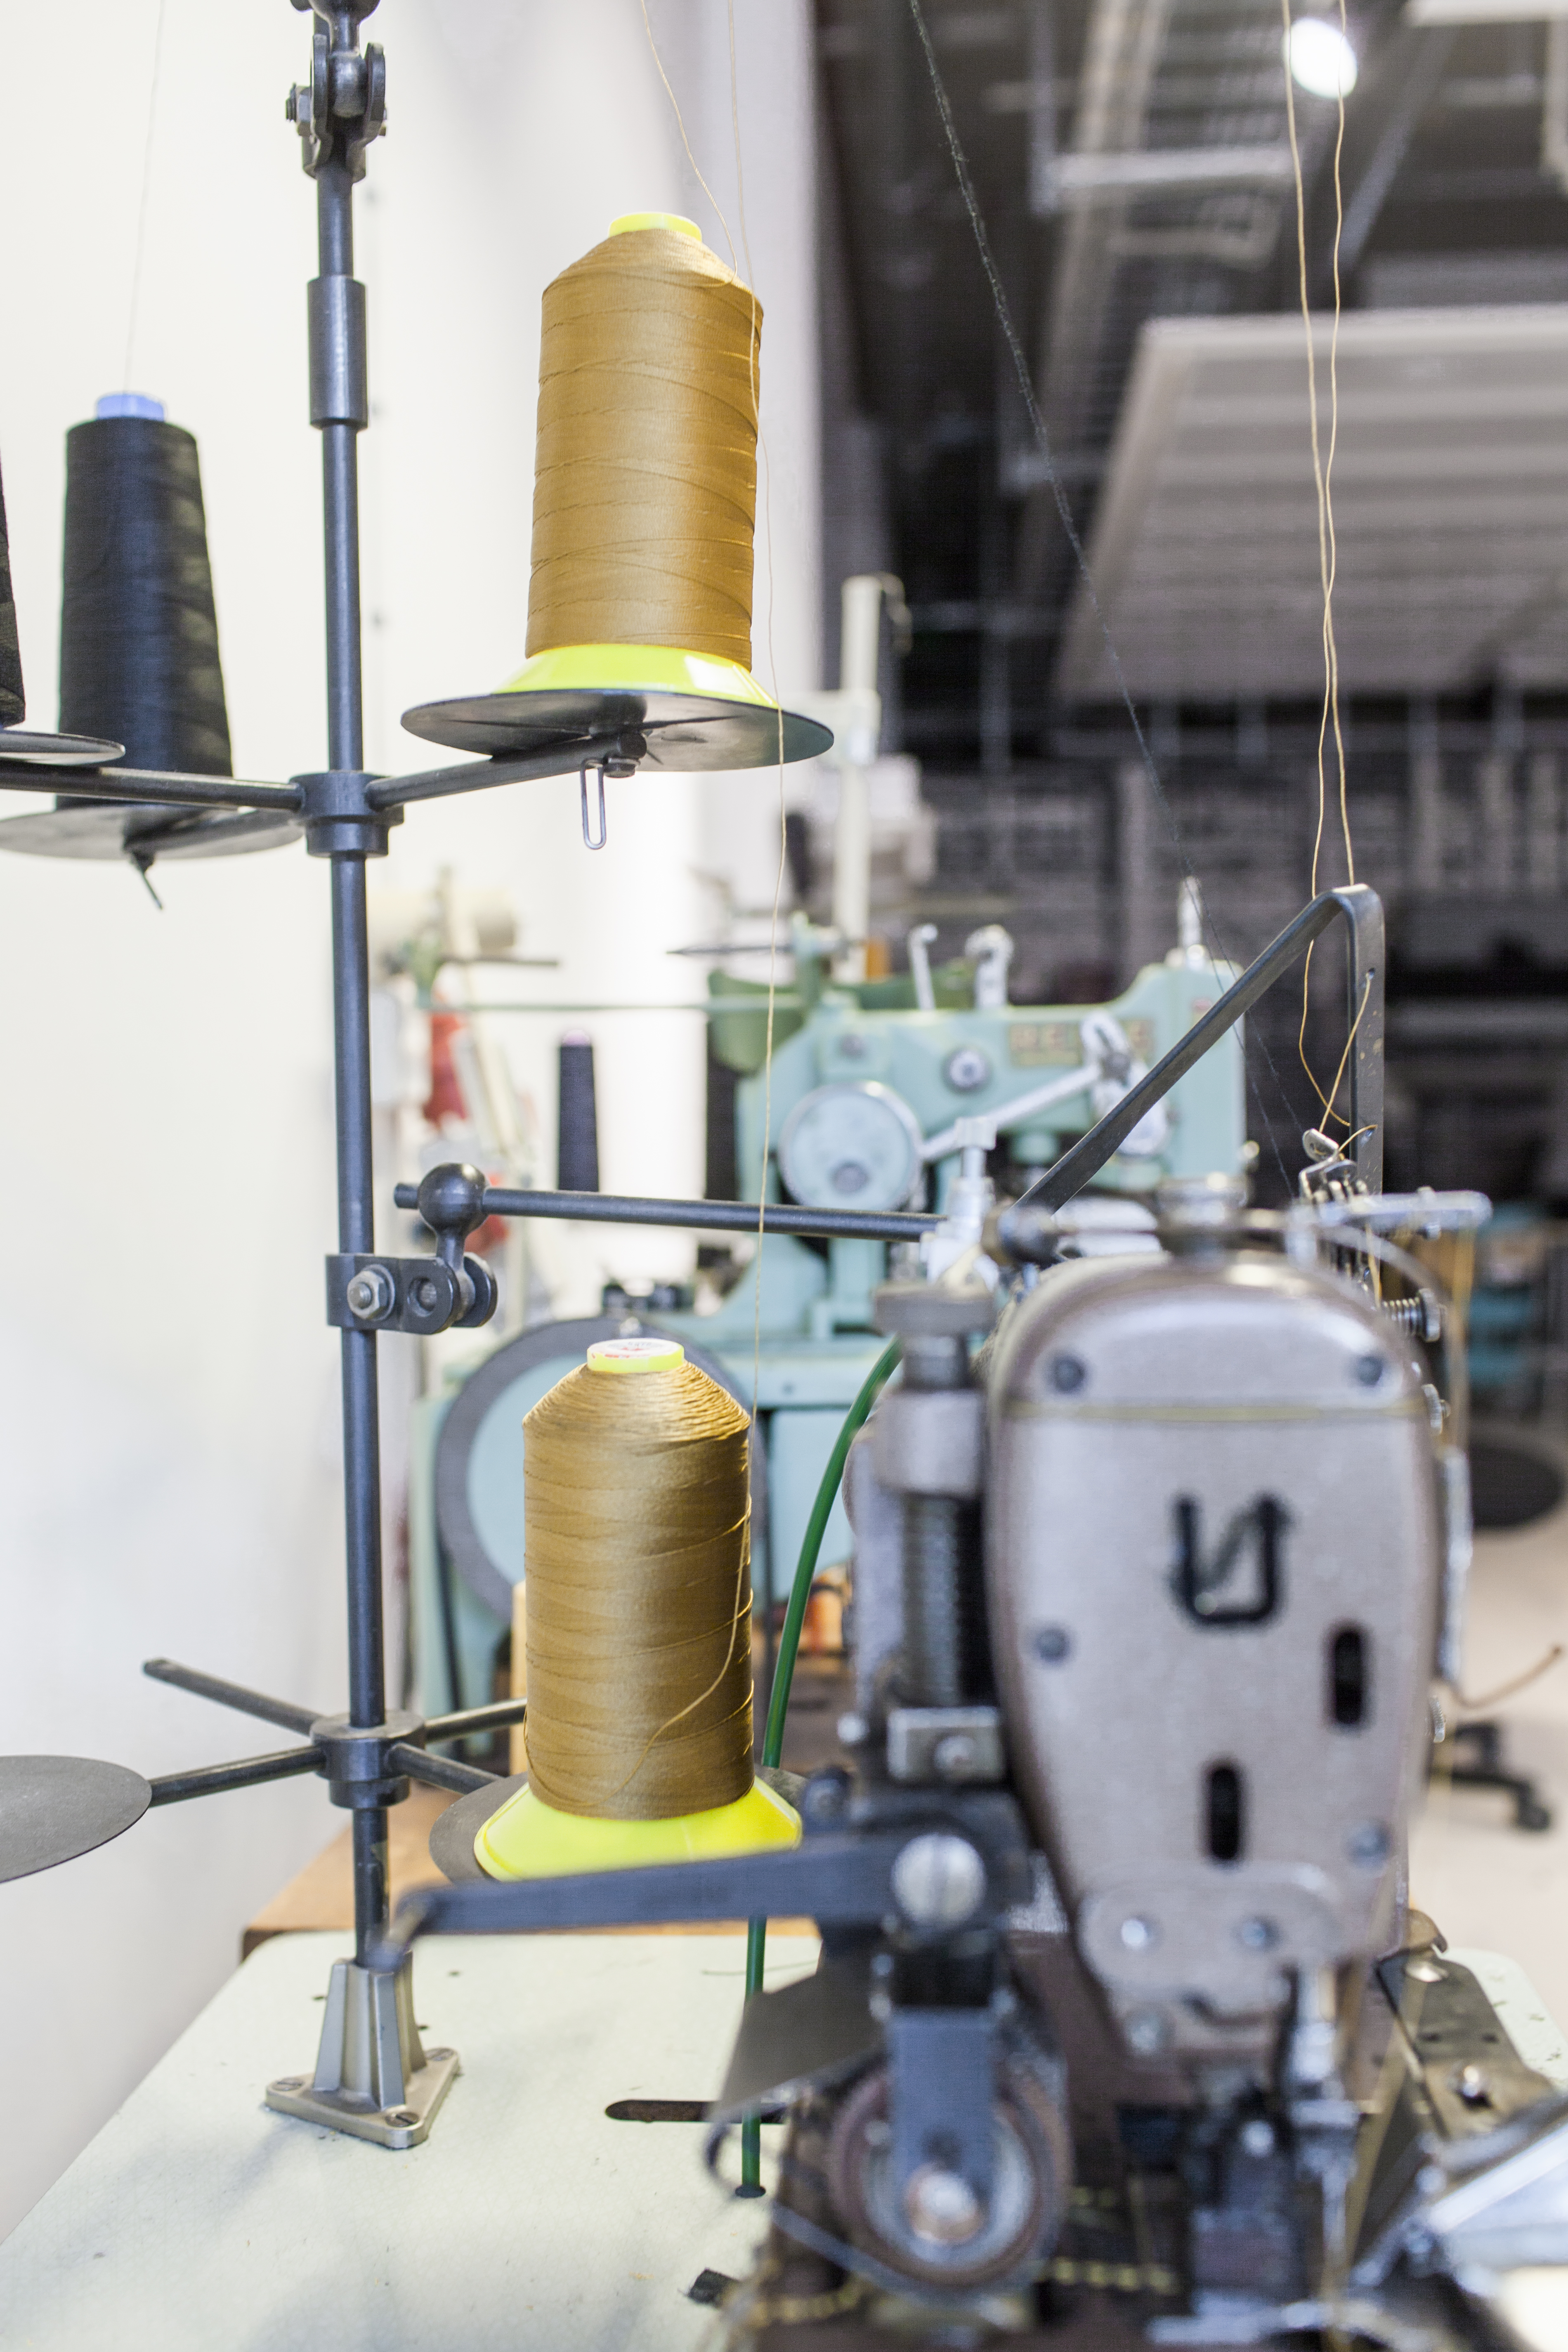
(854,1145)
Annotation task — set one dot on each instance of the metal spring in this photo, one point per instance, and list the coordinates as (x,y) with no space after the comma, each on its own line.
(1420,1318)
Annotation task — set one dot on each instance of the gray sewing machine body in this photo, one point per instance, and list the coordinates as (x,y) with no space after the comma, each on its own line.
(1121,1990)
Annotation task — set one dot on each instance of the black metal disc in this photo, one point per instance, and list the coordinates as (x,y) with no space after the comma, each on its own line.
(57,750)
(53,1808)
(452,1837)
(143,834)
(683,731)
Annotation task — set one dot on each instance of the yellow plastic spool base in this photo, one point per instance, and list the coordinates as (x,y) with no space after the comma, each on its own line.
(529,1839)
(638,670)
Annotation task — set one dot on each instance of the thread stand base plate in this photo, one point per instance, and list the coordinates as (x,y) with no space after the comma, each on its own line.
(373,2080)
(404,2125)
(684,732)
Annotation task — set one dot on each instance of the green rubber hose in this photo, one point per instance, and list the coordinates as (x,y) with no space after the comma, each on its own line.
(855,1419)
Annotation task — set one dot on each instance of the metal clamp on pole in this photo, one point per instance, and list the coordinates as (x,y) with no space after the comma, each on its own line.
(368,1292)
(418,1295)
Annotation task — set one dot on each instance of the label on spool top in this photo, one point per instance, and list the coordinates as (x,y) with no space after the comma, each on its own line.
(645,1355)
(677,221)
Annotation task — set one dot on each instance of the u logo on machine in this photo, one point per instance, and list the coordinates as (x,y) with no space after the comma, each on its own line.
(1241,1583)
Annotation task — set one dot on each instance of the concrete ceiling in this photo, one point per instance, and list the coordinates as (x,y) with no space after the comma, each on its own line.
(1450,492)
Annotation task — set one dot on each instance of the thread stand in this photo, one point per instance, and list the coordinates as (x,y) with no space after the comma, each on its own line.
(372,2077)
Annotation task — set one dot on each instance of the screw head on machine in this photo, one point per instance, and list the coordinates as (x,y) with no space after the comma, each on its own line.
(938,1880)
(942,2206)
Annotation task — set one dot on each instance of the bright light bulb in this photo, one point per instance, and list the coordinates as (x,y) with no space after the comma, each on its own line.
(1320,59)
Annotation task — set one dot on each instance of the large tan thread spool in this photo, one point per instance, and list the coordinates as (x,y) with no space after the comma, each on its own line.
(646,474)
(639,1622)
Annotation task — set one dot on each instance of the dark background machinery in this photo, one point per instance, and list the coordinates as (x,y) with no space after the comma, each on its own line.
(1132,161)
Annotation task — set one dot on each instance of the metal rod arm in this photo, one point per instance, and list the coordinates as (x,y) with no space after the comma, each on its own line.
(475,775)
(148,785)
(246,1772)
(1362,911)
(469,1721)
(703,1216)
(248,1702)
(831,1877)
(439,1771)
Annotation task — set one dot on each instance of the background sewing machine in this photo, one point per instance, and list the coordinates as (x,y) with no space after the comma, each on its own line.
(928,1086)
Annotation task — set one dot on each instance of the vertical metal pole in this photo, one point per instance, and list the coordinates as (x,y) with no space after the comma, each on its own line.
(351,974)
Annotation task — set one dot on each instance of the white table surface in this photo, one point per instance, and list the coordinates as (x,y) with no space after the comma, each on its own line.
(199,2221)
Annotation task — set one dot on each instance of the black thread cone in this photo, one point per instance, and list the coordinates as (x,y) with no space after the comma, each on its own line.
(138,655)
(577,1126)
(13,699)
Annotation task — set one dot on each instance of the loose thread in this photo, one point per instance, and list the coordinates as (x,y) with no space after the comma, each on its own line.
(146,191)
(1322,482)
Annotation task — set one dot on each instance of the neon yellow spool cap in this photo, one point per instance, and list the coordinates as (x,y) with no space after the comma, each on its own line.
(530,1839)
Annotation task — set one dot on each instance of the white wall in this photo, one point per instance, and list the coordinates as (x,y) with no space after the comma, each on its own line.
(519,132)
(169,1427)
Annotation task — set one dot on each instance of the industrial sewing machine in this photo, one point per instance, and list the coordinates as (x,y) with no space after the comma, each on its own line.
(883,1093)
(1124,2029)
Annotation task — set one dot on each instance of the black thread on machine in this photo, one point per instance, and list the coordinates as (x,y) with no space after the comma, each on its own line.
(577,1120)
(139,650)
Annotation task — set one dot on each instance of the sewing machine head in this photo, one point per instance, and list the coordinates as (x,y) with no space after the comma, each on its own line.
(1221,1527)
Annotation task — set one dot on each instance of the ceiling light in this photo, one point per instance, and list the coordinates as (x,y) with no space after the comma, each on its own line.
(1320,59)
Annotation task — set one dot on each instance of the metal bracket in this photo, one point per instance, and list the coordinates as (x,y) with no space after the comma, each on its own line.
(346,88)
(369,1291)
(418,1295)
(340,817)
(1361,911)
(941,2094)
(945,1744)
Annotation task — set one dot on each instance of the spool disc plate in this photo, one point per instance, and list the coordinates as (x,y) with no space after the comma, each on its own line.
(684,733)
(57,750)
(133,830)
(53,1808)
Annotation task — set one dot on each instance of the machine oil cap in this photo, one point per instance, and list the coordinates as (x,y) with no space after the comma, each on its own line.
(645,1355)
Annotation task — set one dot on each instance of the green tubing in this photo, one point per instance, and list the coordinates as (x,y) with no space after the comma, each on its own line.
(855,1419)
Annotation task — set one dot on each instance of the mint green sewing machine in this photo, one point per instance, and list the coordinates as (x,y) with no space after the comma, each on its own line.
(885,1094)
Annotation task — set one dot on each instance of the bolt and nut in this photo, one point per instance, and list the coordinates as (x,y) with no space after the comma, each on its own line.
(369,1293)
